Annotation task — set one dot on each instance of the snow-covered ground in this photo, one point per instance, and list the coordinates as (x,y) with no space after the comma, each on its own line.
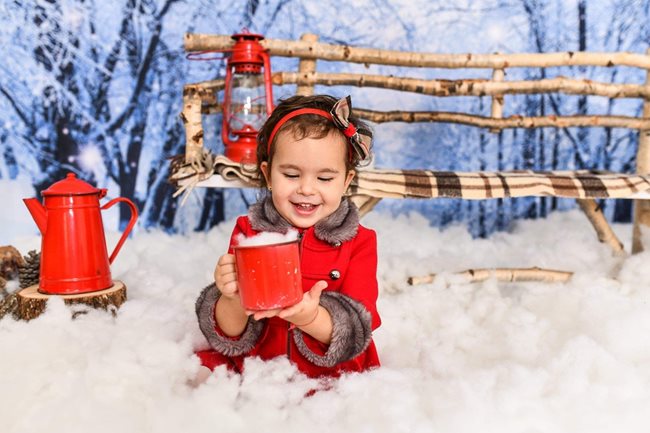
(457,357)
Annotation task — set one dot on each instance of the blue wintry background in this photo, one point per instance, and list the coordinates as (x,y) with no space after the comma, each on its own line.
(95,87)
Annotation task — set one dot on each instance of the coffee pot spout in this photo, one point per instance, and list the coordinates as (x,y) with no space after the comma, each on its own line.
(38,213)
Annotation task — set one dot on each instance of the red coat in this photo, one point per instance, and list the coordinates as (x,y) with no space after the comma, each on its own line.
(356,263)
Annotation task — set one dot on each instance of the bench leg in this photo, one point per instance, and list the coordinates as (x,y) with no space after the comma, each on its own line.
(603,229)
(364,203)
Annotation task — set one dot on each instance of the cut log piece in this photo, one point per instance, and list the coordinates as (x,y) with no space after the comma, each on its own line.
(31,302)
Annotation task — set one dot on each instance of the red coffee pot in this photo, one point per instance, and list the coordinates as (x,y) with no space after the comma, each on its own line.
(74,257)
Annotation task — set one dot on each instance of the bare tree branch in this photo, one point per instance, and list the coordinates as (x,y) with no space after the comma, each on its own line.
(20,111)
(143,70)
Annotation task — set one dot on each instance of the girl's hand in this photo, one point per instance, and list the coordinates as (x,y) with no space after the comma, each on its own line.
(300,313)
(306,310)
(225,275)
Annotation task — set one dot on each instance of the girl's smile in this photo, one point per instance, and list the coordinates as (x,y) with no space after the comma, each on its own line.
(307,177)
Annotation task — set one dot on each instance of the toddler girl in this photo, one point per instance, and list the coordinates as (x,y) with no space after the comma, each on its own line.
(306,153)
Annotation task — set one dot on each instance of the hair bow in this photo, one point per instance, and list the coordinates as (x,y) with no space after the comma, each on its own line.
(360,138)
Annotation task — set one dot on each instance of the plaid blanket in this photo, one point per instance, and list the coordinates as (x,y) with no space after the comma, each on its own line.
(450,184)
(485,185)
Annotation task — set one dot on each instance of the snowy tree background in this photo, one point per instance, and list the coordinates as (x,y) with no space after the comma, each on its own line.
(95,87)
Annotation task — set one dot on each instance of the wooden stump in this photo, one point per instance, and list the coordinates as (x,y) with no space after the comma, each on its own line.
(31,302)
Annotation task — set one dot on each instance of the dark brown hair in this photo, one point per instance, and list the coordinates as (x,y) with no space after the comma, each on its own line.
(305,125)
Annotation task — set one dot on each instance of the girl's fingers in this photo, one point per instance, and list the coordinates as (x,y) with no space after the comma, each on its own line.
(313,296)
(290,311)
(318,288)
(227,278)
(230,288)
(259,315)
(223,279)
(227,269)
(224,262)
(226,259)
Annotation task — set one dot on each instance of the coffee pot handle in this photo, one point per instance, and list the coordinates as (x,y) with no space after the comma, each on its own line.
(129,227)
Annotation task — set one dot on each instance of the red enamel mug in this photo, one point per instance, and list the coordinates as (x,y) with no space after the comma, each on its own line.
(269,275)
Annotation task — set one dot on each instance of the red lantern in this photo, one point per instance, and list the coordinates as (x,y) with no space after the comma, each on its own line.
(248,97)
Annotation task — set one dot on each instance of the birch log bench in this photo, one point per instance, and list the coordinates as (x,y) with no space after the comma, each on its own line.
(198,167)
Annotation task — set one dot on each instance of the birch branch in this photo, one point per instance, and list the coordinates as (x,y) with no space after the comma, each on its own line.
(509,122)
(323,51)
(502,274)
(487,122)
(642,208)
(306,66)
(191,117)
(465,87)
(205,88)
(364,203)
(603,229)
(496,109)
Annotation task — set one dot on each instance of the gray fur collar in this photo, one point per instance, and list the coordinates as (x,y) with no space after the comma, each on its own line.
(339,227)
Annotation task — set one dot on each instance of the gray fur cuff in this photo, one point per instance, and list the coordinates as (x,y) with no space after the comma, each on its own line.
(224,345)
(351,333)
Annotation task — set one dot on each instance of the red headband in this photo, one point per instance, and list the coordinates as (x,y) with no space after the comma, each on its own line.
(359,140)
(290,116)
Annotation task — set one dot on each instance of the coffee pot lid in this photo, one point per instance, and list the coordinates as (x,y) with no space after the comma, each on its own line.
(71,186)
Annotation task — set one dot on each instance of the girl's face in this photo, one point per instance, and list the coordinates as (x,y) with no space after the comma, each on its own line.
(308,177)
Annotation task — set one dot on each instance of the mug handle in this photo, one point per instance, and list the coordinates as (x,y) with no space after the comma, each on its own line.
(129,227)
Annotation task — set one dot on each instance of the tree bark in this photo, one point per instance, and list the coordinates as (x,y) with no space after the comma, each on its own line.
(481,121)
(191,117)
(365,203)
(160,208)
(31,303)
(465,87)
(346,53)
(502,274)
(605,233)
(213,211)
(642,207)
(509,122)
(496,109)
(306,67)
(59,149)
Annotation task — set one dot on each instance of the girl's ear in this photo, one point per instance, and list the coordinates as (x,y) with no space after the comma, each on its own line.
(348,179)
(264,168)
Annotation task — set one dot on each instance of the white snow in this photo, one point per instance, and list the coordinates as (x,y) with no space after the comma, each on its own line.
(457,357)
(266,238)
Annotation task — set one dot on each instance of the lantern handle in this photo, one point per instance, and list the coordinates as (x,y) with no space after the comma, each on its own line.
(198,55)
